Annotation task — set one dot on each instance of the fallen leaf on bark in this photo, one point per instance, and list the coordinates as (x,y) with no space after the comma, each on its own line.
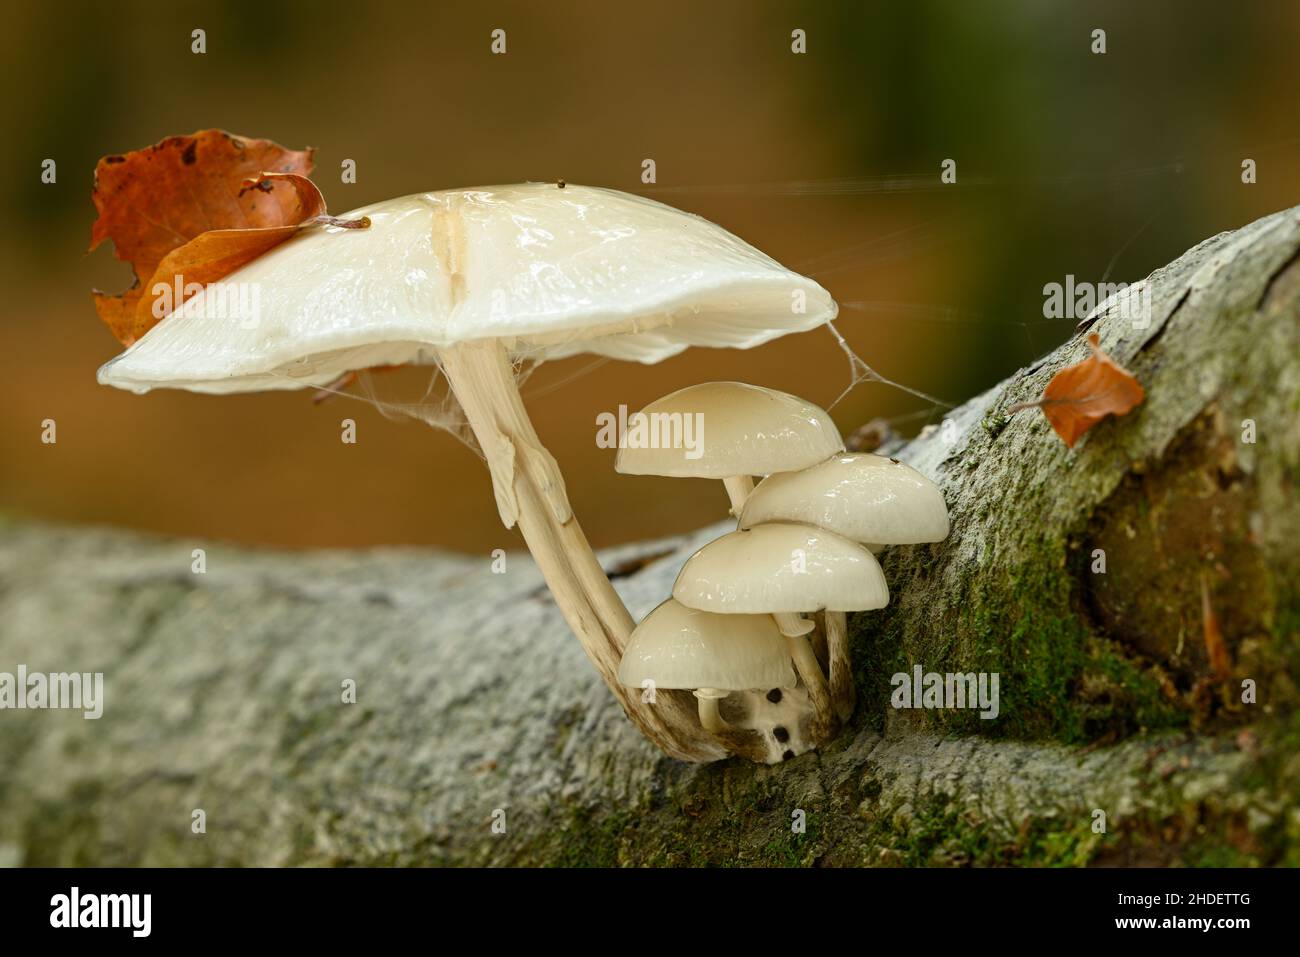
(192,209)
(1081,395)
(1215,647)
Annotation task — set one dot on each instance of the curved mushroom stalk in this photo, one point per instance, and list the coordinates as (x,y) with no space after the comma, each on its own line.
(710,716)
(738,489)
(530,492)
(796,628)
(739,738)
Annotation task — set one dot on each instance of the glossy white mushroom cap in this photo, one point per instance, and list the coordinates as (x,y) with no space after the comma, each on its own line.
(551,271)
(745,430)
(680,647)
(781,568)
(868,498)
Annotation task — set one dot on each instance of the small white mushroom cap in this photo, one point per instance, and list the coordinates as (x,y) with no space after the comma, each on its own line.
(747,430)
(781,568)
(865,497)
(552,271)
(680,647)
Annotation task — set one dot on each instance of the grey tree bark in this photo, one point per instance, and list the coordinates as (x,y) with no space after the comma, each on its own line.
(480,734)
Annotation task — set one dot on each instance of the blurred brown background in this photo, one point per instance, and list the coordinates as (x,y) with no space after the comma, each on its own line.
(1068,162)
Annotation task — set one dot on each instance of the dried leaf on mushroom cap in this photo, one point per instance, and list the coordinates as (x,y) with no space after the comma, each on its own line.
(781,567)
(180,212)
(680,647)
(865,497)
(553,272)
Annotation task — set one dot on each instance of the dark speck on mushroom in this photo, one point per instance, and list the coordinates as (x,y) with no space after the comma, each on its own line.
(190,152)
(774,696)
(787,756)
(781,734)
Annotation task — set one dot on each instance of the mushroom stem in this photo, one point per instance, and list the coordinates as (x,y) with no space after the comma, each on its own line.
(841,678)
(530,492)
(795,627)
(738,489)
(710,716)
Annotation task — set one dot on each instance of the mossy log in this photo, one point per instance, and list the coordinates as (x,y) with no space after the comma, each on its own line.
(481,735)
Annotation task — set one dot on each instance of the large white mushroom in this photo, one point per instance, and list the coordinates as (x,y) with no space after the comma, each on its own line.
(472,280)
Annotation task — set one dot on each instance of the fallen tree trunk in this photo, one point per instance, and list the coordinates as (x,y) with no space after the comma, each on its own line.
(480,734)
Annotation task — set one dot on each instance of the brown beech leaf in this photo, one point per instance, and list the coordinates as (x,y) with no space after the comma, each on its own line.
(1081,395)
(191,209)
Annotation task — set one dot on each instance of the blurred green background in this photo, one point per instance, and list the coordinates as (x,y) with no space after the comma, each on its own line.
(1068,163)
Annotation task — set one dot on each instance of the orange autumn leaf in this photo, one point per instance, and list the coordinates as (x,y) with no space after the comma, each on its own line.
(1081,395)
(192,209)
(1215,647)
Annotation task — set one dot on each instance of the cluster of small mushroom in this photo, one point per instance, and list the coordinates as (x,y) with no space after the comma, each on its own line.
(756,623)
